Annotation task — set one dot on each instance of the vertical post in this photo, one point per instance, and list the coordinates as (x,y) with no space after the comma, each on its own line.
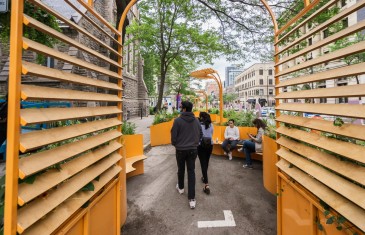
(13,135)
(141,113)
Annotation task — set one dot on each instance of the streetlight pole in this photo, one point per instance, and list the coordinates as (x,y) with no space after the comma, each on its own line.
(267,90)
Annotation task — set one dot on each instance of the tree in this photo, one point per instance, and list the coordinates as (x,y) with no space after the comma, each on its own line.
(229,98)
(170,30)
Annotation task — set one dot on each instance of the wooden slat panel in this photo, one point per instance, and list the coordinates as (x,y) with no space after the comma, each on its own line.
(39,161)
(344,110)
(343,33)
(73,25)
(64,211)
(51,178)
(42,71)
(340,185)
(348,169)
(332,92)
(346,71)
(347,51)
(99,17)
(29,21)
(44,115)
(346,149)
(39,48)
(38,208)
(92,22)
(343,206)
(324,25)
(304,22)
(36,139)
(30,92)
(349,130)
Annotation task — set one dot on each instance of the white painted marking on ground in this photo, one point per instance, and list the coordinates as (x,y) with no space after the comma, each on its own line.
(227,222)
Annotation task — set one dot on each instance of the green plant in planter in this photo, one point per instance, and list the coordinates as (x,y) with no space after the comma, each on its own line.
(241,118)
(214,111)
(163,116)
(128,128)
(270,130)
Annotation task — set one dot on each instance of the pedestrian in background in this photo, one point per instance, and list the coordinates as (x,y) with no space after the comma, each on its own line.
(186,134)
(231,136)
(205,148)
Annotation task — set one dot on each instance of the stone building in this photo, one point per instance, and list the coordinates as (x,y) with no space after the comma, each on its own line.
(135,91)
(256,84)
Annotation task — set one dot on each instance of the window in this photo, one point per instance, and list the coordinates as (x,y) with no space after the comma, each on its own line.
(271,91)
(261,72)
(50,63)
(325,33)
(322,100)
(343,3)
(345,23)
(310,41)
(270,81)
(261,91)
(285,89)
(270,71)
(257,92)
(261,81)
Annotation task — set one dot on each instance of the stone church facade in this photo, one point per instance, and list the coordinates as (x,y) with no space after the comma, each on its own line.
(135,98)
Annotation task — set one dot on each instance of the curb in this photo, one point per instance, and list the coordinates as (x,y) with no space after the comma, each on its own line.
(147,147)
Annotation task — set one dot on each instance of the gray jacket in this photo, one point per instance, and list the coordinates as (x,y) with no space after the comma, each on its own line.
(186,132)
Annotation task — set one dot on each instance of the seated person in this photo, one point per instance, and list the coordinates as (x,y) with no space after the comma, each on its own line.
(254,144)
(231,136)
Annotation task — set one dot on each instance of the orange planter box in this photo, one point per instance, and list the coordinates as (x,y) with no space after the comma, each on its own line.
(269,161)
(160,134)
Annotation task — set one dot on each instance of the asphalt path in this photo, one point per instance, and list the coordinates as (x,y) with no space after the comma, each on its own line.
(155,207)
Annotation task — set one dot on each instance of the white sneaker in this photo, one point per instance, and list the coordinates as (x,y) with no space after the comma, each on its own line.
(192,203)
(181,191)
(230,155)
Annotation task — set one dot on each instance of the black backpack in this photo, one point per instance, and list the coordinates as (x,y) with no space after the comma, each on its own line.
(206,142)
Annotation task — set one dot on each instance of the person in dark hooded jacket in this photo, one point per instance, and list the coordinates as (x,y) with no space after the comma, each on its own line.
(186,134)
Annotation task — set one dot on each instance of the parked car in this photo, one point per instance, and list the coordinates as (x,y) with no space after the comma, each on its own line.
(268,112)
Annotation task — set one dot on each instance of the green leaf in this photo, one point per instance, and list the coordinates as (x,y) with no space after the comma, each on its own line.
(89,187)
(2,211)
(86,204)
(97,178)
(341,219)
(339,227)
(330,220)
(291,165)
(325,205)
(326,213)
(30,179)
(338,122)
(320,226)
(2,180)
(58,166)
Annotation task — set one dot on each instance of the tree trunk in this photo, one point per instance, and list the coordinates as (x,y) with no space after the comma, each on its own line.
(162,84)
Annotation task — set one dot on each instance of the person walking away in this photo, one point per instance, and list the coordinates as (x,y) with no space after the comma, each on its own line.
(231,136)
(186,134)
(254,144)
(205,148)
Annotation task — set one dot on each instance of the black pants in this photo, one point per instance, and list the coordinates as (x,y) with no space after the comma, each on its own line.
(233,144)
(188,156)
(204,156)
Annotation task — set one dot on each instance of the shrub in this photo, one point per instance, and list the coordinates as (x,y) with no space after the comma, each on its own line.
(214,111)
(163,116)
(241,118)
(128,128)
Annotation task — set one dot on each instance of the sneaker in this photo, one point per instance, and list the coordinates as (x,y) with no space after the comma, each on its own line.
(192,203)
(230,155)
(203,179)
(240,149)
(181,191)
(248,166)
(225,153)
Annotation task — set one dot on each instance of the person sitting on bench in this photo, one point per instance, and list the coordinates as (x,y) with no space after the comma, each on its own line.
(254,144)
(231,136)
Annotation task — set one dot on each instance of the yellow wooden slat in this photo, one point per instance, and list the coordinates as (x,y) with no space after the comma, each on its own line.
(304,22)
(349,130)
(348,169)
(344,110)
(51,178)
(332,92)
(131,160)
(347,51)
(42,71)
(338,184)
(41,5)
(99,17)
(40,207)
(30,92)
(324,25)
(64,211)
(346,71)
(39,48)
(31,22)
(343,33)
(39,161)
(346,208)
(92,22)
(37,139)
(43,115)
(346,149)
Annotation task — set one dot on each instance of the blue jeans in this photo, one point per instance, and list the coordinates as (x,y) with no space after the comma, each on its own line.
(233,144)
(248,148)
(188,156)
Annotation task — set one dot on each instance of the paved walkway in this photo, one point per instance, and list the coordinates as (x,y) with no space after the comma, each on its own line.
(143,127)
(155,207)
